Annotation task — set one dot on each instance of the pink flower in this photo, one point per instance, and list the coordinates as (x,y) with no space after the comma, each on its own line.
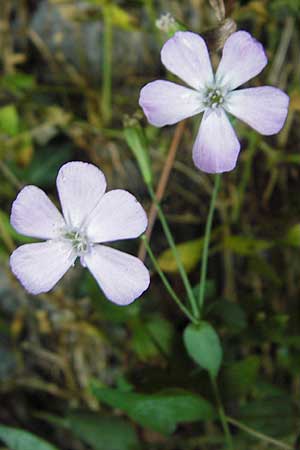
(263,108)
(90,218)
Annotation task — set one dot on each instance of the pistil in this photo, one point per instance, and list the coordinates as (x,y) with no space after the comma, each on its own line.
(79,240)
(213,98)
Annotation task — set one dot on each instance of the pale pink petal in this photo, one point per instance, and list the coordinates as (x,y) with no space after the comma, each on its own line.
(33,214)
(166,103)
(186,56)
(118,216)
(216,147)
(122,277)
(80,187)
(40,266)
(263,108)
(243,57)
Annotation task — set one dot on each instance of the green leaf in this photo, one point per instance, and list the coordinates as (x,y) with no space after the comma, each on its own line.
(265,269)
(43,169)
(142,343)
(17,83)
(151,338)
(100,432)
(210,289)
(241,376)
(137,142)
(189,252)
(230,313)
(246,245)
(17,439)
(8,357)
(160,412)
(203,346)
(121,18)
(285,8)
(274,416)
(161,332)
(9,120)
(292,237)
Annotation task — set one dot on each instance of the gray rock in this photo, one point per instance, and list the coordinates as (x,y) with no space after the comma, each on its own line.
(80,43)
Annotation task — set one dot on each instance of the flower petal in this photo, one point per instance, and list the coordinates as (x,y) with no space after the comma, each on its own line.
(117,216)
(33,214)
(216,147)
(40,266)
(243,57)
(122,277)
(166,103)
(186,56)
(80,187)
(263,108)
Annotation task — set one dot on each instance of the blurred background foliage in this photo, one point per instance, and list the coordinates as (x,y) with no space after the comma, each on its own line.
(80,372)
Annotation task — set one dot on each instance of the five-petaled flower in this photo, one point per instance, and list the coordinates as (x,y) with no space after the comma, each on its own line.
(263,108)
(90,218)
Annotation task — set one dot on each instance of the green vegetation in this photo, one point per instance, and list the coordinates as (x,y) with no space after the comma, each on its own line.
(217,368)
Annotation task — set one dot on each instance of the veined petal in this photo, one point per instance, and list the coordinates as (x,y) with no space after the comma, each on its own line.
(118,216)
(33,214)
(166,103)
(122,277)
(186,56)
(80,187)
(263,108)
(40,266)
(243,57)
(216,147)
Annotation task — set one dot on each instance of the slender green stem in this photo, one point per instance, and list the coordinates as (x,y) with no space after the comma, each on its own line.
(258,435)
(150,11)
(222,414)
(149,5)
(207,240)
(10,175)
(246,176)
(176,255)
(7,239)
(166,282)
(107,65)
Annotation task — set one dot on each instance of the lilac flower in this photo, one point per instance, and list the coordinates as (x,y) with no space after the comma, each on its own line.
(263,108)
(90,218)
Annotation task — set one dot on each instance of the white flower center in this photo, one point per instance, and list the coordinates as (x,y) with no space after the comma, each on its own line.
(79,240)
(213,98)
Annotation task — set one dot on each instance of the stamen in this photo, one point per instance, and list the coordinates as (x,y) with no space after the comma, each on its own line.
(213,98)
(79,240)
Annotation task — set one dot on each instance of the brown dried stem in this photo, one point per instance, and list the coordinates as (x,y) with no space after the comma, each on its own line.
(162,184)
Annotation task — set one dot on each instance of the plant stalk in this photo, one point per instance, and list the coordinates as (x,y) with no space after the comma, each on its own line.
(207,240)
(176,255)
(222,414)
(166,282)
